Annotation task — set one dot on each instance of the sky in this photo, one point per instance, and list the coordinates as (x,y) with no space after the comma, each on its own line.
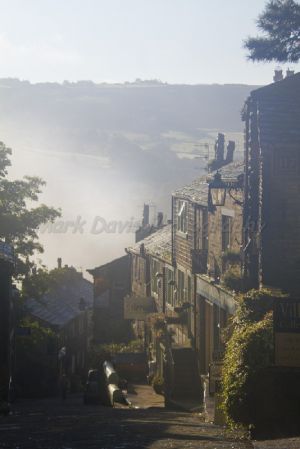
(176,41)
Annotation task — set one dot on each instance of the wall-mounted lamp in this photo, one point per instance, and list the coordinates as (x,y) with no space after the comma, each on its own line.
(217,190)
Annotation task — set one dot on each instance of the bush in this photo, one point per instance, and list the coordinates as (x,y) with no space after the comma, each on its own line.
(98,353)
(233,279)
(231,257)
(36,361)
(254,393)
(249,352)
(255,304)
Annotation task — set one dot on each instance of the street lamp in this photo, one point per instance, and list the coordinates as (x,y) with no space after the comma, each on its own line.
(217,190)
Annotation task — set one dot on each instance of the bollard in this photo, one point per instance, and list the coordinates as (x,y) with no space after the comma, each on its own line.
(115,394)
(110,373)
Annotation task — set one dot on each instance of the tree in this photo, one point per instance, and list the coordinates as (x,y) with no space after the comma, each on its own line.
(42,281)
(280,23)
(19,221)
(36,360)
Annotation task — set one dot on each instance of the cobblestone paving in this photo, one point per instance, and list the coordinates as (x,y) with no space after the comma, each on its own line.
(49,424)
(284,443)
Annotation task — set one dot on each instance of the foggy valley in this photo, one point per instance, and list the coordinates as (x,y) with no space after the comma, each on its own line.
(105,149)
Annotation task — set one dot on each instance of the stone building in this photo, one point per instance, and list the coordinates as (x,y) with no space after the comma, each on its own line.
(150,262)
(272,206)
(183,268)
(162,323)
(207,244)
(111,285)
(67,309)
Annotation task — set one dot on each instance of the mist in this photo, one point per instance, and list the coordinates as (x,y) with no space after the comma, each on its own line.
(105,151)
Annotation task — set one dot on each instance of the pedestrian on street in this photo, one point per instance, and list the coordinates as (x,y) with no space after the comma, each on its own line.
(64,387)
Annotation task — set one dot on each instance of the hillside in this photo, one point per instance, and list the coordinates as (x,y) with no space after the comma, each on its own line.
(106,149)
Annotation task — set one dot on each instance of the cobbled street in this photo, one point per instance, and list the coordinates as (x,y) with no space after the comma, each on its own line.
(51,424)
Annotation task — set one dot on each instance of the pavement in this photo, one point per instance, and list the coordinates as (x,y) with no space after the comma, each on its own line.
(53,424)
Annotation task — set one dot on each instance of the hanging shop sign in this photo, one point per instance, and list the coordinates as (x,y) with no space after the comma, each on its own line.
(287,332)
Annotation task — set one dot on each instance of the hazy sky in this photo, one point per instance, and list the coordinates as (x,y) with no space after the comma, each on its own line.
(178,41)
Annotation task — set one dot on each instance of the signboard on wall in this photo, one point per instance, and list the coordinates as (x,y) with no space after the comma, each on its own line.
(138,307)
(287,332)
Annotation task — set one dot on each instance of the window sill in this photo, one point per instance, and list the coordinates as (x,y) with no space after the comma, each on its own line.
(182,234)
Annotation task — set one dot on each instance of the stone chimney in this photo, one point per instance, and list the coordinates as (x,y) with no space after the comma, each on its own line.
(220,148)
(59,262)
(230,151)
(278,75)
(145,221)
(289,73)
(160,219)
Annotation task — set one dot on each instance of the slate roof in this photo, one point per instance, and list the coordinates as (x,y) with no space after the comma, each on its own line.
(158,244)
(288,87)
(100,268)
(231,172)
(197,191)
(60,306)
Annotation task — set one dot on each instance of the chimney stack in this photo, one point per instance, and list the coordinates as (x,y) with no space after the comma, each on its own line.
(160,219)
(59,262)
(278,75)
(220,148)
(230,151)
(145,215)
(289,73)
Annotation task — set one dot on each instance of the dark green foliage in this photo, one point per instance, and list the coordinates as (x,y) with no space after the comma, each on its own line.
(255,304)
(233,279)
(254,392)
(249,352)
(19,222)
(280,23)
(43,281)
(101,352)
(36,361)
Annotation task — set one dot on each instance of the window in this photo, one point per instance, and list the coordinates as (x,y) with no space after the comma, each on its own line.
(226,232)
(155,267)
(180,287)
(182,216)
(136,268)
(170,286)
(189,289)
(201,240)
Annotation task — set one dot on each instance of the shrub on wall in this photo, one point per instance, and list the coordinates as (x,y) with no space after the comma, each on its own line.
(249,352)
(253,392)
(233,279)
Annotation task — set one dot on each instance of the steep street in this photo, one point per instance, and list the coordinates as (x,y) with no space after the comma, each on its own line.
(51,424)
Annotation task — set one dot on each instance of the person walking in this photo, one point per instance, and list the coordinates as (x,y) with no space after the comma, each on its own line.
(64,387)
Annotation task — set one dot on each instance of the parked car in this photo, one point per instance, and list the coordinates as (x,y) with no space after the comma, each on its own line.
(92,387)
(95,391)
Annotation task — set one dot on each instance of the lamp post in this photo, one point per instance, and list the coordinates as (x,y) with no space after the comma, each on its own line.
(217,191)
